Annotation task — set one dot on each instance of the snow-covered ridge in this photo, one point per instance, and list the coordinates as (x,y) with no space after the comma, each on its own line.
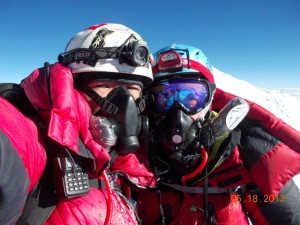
(283,103)
(287,103)
(293,93)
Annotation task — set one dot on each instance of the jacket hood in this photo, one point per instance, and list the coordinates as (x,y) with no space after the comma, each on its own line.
(63,110)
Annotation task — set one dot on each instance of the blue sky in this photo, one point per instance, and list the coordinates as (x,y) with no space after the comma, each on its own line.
(254,40)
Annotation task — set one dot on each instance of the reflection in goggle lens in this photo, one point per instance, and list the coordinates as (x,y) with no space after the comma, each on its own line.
(191,95)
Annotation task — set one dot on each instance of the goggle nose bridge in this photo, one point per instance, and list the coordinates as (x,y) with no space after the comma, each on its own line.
(176,95)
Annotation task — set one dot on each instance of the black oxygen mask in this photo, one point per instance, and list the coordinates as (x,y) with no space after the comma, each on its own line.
(180,139)
(180,132)
(125,120)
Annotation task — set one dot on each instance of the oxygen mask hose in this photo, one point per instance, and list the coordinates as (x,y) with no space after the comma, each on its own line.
(109,199)
(198,169)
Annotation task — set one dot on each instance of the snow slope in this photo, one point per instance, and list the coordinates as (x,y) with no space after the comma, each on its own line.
(283,103)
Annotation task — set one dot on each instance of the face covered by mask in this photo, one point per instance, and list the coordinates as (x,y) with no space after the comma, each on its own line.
(119,130)
(177,137)
(181,106)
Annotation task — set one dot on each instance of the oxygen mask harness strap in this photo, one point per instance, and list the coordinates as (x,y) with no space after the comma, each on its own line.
(103,103)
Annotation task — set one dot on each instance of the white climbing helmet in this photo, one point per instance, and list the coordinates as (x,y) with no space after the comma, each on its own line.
(109,50)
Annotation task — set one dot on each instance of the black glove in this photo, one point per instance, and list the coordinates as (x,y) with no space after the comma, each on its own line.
(207,138)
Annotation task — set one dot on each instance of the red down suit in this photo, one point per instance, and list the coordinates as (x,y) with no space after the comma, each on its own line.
(23,155)
(254,181)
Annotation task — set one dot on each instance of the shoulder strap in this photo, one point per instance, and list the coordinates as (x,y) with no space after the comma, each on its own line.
(40,202)
(15,94)
(11,92)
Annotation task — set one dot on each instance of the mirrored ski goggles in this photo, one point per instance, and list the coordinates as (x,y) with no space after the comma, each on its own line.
(191,95)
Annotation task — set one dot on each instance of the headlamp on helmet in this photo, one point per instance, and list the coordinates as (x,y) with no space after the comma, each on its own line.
(170,61)
(181,60)
(135,53)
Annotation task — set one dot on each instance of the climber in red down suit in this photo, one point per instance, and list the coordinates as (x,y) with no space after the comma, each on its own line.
(76,144)
(208,173)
